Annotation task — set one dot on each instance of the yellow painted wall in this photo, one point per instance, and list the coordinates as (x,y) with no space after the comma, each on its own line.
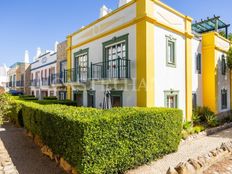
(145,55)
(188,67)
(209,74)
(69,65)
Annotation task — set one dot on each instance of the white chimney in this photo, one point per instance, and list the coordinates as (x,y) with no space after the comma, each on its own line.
(55,46)
(104,11)
(26,57)
(38,52)
(123,2)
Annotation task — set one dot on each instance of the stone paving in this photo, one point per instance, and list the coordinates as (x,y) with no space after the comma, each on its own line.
(191,149)
(7,166)
(222,167)
(25,155)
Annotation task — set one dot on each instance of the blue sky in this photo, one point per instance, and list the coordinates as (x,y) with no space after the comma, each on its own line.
(28,24)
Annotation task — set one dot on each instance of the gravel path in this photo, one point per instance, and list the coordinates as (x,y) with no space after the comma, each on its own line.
(191,149)
(25,155)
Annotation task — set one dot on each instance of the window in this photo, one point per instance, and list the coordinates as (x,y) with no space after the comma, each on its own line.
(62,95)
(81,65)
(171,51)
(115,57)
(171,99)
(63,66)
(116,98)
(194,100)
(224,99)
(51,93)
(78,97)
(223,65)
(91,98)
(198,63)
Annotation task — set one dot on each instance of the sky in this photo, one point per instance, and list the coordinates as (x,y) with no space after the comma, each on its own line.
(28,24)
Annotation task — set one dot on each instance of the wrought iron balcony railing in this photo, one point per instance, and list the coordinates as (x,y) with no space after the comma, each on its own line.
(112,69)
(76,75)
(35,82)
(45,81)
(20,83)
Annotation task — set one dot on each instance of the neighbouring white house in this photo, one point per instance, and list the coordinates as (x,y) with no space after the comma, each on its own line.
(43,71)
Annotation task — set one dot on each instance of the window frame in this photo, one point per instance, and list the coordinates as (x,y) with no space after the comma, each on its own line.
(171,93)
(194,100)
(91,93)
(224,104)
(173,41)
(198,63)
(223,65)
(115,41)
(79,93)
(78,54)
(65,95)
(117,93)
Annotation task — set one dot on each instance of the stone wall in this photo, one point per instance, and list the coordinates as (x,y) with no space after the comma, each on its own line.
(61,54)
(27,82)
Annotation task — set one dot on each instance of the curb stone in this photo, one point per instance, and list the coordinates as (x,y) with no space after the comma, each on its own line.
(197,166)
(6,164)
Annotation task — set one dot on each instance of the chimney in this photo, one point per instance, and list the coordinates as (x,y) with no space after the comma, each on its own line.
(104,11)
(38,52)
(55,46)
(26,57)
(123,2)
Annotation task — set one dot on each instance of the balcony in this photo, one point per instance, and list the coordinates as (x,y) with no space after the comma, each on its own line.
(11,84)
(112,69)
(58,79)
(20,83)
(45,81)
(77,75)
(35,83)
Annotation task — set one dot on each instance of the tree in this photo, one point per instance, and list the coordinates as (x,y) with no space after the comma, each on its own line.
(4,106)
(229,58)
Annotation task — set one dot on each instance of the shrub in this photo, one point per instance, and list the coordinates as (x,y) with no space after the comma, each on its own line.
(212,120)
(61,102)
(105,141)
(50,98)
(187,125)
(4,106)
(198,129)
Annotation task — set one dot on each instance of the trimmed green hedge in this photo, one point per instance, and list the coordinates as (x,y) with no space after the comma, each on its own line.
(104,141)
(61,102)
(50,98)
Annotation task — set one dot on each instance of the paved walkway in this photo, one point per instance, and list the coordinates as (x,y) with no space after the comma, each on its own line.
(26,156)
(191,149)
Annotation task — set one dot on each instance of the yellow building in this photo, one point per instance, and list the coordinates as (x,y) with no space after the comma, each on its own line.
(140,52)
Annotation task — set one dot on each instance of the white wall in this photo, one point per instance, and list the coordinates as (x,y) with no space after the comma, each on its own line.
(169,18)
(44,62)
(223,82)
(167,78)
(96,55)
(196,77)
(105,25)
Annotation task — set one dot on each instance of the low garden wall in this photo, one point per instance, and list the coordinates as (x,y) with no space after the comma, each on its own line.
(102,141)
